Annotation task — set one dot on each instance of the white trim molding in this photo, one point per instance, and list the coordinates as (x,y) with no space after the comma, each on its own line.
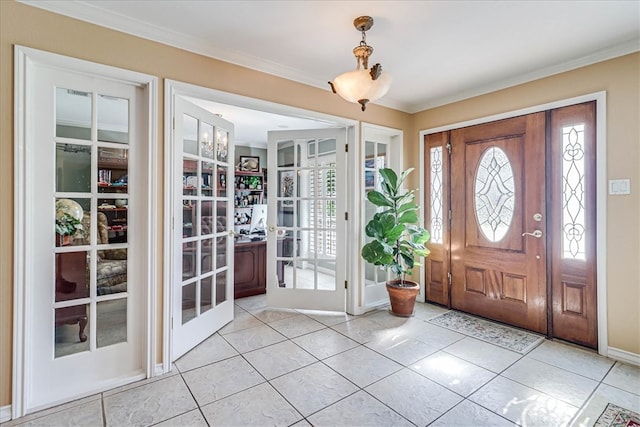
(624,356)
(601,187)
(25,61)
(5,413)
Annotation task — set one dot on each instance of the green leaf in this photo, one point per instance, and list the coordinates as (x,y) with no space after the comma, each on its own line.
(376,253)
(407,206)
(373,229)
(408,260)
(409,217)
(389,177)
(378,198)
(403,175)
(395,233)
(405,198)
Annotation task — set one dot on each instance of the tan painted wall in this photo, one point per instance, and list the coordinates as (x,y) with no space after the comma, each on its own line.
(620,78)
(27,26)
(32,27)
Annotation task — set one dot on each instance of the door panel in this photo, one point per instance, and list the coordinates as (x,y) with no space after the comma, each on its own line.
(306,264)
(203,210)
(437,217)
(85,165)
(497,188)
(573,224)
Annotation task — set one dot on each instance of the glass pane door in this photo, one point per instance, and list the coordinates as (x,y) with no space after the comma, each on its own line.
(203,249)
(307,208)
(85,159)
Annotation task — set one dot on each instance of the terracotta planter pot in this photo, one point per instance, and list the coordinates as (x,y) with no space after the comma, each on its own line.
(403,298)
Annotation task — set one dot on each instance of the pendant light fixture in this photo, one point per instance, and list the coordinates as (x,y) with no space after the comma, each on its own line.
(362,85)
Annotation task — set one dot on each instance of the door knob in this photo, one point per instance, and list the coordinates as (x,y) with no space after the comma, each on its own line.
(536,233)
(232,233)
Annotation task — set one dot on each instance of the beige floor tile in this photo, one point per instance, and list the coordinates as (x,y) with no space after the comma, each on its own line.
(149,404)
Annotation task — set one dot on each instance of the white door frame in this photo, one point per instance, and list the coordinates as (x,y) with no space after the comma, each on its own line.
(395,139)
(25,59)
(601,190)
(174,87)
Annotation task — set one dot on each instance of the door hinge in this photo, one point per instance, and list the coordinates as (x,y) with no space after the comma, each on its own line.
(346,148)
(174,123)
(449,278)
(449,147)
(346,216)
(450,215)
(345,284)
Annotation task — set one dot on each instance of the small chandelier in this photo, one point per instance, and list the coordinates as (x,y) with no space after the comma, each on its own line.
(362,85)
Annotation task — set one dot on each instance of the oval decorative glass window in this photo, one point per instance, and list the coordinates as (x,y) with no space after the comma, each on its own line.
(494,194)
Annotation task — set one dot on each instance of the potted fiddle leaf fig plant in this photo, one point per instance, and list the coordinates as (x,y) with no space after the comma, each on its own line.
(398,239)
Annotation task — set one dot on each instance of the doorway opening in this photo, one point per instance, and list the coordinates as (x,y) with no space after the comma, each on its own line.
(248,185)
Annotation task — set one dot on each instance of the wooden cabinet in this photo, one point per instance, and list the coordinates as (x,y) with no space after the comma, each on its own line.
(250,269)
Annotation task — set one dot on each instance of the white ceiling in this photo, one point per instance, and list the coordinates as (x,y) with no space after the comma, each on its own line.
(251,126)
(437,51)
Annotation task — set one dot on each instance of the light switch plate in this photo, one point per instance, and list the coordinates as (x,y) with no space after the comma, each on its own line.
(619,186)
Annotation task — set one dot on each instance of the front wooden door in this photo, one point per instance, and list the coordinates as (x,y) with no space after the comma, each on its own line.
(498,259)
(512,213)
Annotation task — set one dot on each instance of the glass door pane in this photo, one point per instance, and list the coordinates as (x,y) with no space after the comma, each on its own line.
(201,249)
(91,221)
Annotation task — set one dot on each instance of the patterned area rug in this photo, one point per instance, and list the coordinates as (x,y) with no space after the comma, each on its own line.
(491,332)
(615,416)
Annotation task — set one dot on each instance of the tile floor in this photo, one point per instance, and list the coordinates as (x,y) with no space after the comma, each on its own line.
(299,368)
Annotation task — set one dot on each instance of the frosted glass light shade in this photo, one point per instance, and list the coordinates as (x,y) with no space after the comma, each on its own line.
(358,84)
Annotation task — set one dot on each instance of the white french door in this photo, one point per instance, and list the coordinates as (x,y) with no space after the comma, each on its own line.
(306,198)
(85,288)
(202,247)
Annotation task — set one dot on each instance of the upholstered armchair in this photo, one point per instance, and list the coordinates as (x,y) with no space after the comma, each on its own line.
(111,265)
(72,277)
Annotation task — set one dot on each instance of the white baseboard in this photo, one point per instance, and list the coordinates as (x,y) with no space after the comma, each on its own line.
(624,356)
(5,414)
(158,370)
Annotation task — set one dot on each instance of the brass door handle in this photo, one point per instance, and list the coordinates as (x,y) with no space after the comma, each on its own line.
(536,233)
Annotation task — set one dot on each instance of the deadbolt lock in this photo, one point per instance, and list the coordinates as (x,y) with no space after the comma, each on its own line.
(537,217)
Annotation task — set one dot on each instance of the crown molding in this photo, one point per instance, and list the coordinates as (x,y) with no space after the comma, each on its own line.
(622,49)
(88,12)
